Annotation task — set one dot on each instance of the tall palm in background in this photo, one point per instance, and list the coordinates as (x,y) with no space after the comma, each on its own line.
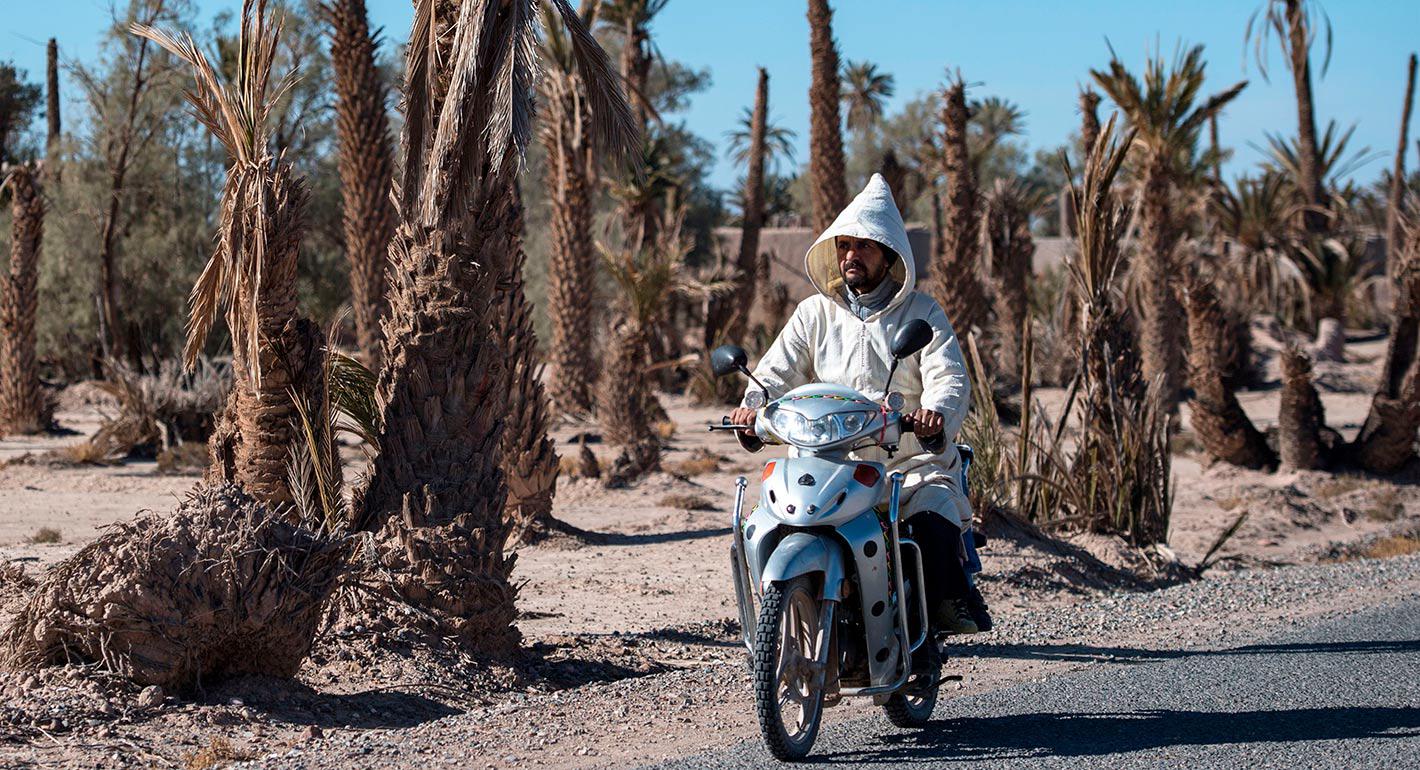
(1296,24)
(1162,111)
(22,405)
(828,189)
(570,180)
(865,94)
(730,318)
(366,163)
(277,355)
(642,198)
(1008,208)
(436,491)
(955,283)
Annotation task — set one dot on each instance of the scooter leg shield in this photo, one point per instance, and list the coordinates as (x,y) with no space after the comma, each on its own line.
(802,553)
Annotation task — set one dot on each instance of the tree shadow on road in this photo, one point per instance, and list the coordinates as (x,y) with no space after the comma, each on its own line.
(1037,735)
(1085,653)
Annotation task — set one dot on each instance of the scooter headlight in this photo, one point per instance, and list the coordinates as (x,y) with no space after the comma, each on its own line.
(802,431)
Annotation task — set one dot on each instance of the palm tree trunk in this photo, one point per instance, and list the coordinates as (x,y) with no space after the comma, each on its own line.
(251,444)
(956,282)
(728,319)
(366,163)
(571,273)
(530,461)
(1298,50)
(1218,419)
(828,188)
(1386,441)
(51,79)
(1010,247)
(1162,320)
(1089,121)
(626,406)
(22,406)
(1396,202)
(1300,417)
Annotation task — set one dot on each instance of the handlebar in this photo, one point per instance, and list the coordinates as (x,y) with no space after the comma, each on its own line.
(935,444)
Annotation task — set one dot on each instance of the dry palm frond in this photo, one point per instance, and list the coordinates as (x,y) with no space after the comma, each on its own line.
(237,115)
(223,586)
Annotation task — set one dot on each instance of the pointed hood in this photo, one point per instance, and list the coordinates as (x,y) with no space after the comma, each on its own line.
(872,215)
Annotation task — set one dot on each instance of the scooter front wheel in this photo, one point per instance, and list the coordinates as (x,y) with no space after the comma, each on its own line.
(788,679)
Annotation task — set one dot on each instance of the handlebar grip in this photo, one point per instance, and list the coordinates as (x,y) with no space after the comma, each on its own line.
(935,444)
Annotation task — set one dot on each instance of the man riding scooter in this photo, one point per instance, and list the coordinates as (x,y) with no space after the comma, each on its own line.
(863,269)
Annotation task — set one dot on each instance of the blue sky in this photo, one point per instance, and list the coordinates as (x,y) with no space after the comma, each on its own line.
(1034,52)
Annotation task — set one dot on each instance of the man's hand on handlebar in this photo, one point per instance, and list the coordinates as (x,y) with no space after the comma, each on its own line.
(743,416)
(926,423)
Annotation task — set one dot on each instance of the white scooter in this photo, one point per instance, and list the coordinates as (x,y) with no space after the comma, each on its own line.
(841,605)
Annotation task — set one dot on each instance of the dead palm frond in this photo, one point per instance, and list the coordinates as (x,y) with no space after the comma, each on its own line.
(237,115)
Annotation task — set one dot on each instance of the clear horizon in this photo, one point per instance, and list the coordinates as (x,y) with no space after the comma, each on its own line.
(1034,54)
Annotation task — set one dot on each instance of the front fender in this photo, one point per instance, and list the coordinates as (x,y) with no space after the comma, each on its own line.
(803,553)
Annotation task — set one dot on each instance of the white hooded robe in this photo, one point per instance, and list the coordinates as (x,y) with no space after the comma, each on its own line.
(825,342)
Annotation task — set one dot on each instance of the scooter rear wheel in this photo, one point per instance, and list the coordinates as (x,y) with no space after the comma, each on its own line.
(912,705)
(788,684)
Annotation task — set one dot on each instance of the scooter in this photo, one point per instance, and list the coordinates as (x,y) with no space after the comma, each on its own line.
(841,606)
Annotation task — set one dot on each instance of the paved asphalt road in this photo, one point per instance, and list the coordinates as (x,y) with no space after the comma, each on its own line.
(1338,694)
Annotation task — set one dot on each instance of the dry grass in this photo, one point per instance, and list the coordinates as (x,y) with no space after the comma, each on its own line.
(686,502)
(1386,505)
(1229,503)
(1336,486)
(664,430)
(700,462)
(1391,547)
(219,751)
(46,535)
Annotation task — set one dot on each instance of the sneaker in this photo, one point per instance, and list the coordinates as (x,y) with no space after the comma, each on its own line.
(980,613)
(953,616)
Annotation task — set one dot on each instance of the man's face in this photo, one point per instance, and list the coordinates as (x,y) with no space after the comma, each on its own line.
(861,262)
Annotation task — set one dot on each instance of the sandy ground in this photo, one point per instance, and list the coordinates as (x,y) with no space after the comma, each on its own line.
(646,611)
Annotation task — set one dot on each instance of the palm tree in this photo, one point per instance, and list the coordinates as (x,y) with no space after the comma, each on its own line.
(1224,429)
(1258,272)
(436,492)
(22,405)
(1386,441)
(828,188)
(1161,110)
(631,20)
(530,461)
(1300,418)
(992,119)
(956,284)
(1293,22)
(1396,201)
(647,279)
(1396,198)
(276,354)
(570,179)
(865,92)
(778,142)
(366,163)
(1009,206)
(51,93)
(729,318)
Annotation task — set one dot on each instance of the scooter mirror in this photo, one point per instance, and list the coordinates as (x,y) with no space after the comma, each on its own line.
(912,337)
(728,358)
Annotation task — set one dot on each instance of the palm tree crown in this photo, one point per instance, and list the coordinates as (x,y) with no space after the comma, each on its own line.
(865,92)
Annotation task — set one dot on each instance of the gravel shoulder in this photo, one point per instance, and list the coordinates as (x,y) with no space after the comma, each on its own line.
(703,705)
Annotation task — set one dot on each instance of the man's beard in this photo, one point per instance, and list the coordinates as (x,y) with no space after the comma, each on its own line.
(862,278)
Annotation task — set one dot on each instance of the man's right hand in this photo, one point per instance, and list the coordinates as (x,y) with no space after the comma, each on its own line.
(743,416)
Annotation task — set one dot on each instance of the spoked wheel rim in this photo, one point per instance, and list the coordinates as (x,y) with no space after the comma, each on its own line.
(799,687)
